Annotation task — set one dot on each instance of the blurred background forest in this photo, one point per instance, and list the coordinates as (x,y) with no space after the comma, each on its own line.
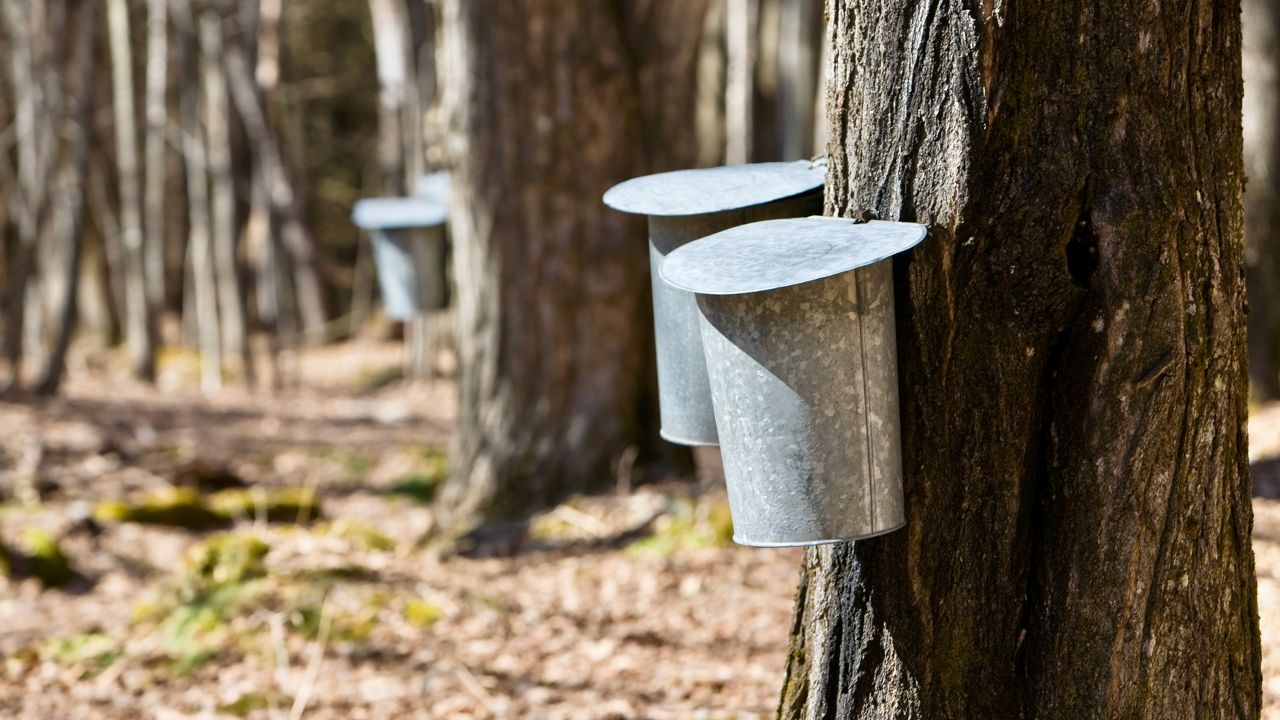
(221,463)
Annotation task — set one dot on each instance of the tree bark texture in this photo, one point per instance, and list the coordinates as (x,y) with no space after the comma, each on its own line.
(554,102)
(1262,192)
(1072,368)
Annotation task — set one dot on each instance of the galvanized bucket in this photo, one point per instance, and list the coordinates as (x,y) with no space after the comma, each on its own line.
(436,186)
(798,328)
(409,252)
(683,206)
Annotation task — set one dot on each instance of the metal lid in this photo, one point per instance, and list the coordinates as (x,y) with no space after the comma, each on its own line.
(780,253)
(435,186)
(392,213)
(710,190)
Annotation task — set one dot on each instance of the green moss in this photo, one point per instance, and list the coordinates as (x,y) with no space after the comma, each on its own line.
(45,560)
(431,467)
(245,704)
(360,535)
(96,649)
(353,466)
(278,505)
(420,613)
(176,507)
(184,507)
(226,559)
(690,524)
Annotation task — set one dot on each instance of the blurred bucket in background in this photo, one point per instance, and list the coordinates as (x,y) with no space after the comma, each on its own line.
(408,236)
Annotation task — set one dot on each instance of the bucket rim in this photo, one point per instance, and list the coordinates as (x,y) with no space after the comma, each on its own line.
(703,191)
(813,543)
(775,254)
(398,213)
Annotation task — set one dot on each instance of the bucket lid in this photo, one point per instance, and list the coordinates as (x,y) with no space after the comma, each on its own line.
(710,190)
(775,254)
(436,186)
(390,213)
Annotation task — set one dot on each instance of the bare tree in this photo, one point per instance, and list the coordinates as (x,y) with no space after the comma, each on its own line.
(1262,193)
(139,329)
(200,252)
(225,230)
(554,333)
(391,47)
(1072,368)
(741,45)
(157,115)
(24,23)
(64,236)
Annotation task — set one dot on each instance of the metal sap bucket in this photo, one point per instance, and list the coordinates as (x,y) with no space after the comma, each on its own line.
(409,251)
(797,322)
(436,186)
(683,206)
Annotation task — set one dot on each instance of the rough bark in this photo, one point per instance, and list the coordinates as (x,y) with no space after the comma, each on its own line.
(1262,192)
(555,102)
(138,326)
(1072,368)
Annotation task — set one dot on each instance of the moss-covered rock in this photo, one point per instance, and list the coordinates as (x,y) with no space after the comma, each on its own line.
(44,559)
(175,507)
(226,559)
(185,507)
(360,535)
(278,505)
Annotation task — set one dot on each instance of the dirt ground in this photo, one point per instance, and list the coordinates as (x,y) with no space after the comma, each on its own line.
(624,606)
(630,605)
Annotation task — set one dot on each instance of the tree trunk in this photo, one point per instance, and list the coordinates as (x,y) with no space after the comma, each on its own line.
(741,43)
(24,27)
(138,327)
(217,114)
(200,224)
(391,47)
(800,37)
(65,229)
(295,239)
(1072,368)
(555,336)
(1262,192)
(157,119)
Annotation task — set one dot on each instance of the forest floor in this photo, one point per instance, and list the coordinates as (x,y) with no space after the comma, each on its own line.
(308,587)
(267,555)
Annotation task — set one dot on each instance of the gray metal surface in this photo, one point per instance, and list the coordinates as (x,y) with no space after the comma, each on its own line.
(770,255)
(392,213)
(683,393)
(804,385)
(436,186)
(411,270)
(718,189)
